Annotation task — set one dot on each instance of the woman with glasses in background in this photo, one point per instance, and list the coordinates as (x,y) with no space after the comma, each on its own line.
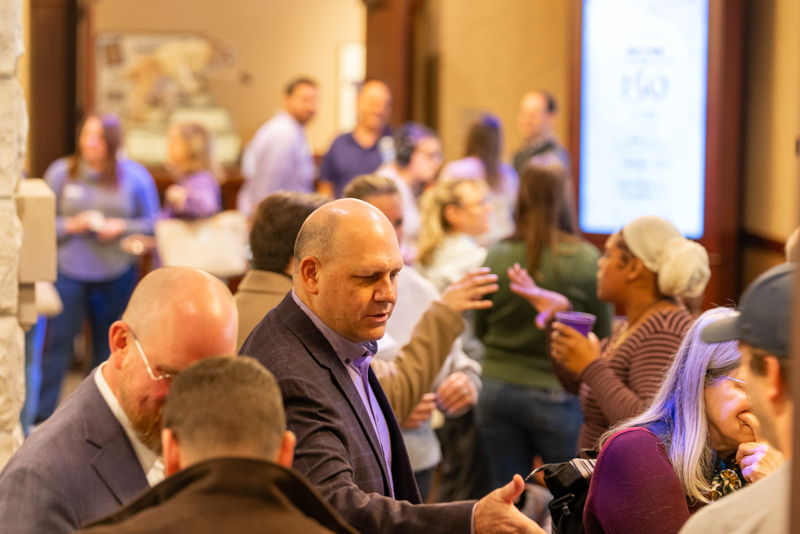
(482,161)
(645,270)
(696,443)
(454,214)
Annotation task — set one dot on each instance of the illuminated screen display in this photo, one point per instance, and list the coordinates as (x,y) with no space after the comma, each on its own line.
(643,113)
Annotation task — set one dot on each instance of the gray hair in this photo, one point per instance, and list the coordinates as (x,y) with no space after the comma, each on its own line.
(679,407)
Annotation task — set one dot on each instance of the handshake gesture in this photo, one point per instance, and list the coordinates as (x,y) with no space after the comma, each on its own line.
(496,512)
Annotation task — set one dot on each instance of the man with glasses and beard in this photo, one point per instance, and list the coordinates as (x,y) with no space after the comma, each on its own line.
(102,446)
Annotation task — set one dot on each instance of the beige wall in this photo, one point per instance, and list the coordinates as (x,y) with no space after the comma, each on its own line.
(772,120)
(492,52)
(771,194)
(275,41)
(24,67)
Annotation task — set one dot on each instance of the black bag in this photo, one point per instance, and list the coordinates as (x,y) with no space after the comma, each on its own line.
(569,484)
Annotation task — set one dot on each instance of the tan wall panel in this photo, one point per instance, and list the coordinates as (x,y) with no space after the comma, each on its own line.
(275,41)
(491,54)
(772,120)
(756,261)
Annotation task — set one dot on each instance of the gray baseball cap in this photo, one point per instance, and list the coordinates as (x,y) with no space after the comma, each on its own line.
(764,313)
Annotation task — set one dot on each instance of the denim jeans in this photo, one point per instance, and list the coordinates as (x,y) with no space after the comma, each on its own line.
(103,303)
(519,422)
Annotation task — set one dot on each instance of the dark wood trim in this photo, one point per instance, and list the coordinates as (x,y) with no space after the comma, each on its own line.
(575,75)
(750,240)
(52,101)
(389,57)
(723,140)
(86,41)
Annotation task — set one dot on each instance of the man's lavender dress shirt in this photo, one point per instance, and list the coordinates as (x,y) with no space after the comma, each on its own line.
(356,360)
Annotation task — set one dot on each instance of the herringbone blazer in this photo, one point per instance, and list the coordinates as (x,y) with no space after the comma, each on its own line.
(78,466)
(337,447)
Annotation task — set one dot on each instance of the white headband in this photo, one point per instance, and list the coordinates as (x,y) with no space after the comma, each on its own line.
(681,264)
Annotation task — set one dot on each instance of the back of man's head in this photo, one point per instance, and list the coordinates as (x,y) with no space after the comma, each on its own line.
(277,222)
(369,186)
(225,407)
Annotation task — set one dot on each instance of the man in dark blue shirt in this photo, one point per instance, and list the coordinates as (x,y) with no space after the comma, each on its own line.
(359,152)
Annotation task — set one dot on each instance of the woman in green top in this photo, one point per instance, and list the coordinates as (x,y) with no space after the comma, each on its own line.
(523,412)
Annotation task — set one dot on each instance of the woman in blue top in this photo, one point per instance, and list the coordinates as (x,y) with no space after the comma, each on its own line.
(100,199)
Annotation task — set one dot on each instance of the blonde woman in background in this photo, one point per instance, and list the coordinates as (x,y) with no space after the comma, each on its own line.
(454,214)
(196,193)
(686,450)
(482,162)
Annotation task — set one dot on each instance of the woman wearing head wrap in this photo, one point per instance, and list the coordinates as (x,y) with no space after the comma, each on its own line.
(645,268)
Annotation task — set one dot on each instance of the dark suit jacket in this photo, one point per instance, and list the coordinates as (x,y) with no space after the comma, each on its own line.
(76,467)
(231,495)
(337,447)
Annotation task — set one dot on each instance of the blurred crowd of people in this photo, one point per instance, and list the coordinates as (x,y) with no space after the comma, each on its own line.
(417,321)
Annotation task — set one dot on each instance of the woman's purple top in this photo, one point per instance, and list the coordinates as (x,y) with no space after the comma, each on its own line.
(203,197)
(135,198)
(634,488)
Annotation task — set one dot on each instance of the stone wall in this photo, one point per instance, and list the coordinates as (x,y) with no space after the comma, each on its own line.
(13,135)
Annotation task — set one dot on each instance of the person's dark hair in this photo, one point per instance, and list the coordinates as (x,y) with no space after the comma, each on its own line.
(540,203)
(276,223)
(552,103)
(369,186)
(406,138)
(112,135)
(294,84)
(484,142)
(225,404)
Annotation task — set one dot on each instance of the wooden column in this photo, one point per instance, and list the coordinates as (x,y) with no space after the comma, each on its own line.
(53,81)
(389,51)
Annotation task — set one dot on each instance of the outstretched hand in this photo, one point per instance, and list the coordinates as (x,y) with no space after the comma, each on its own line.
(547,303)
(496,512)
(467,293)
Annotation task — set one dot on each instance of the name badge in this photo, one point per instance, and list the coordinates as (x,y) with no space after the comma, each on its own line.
(73,192)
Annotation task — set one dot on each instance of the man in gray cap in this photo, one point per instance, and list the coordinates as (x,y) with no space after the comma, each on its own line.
(763,330)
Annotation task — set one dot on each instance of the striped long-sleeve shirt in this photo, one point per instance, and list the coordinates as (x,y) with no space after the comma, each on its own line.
(622,382)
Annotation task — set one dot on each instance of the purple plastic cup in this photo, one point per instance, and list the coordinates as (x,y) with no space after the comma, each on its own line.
(582,322)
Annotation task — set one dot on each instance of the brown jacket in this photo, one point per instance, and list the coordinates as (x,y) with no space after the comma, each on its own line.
(258,293)
(405,379)
(233,495)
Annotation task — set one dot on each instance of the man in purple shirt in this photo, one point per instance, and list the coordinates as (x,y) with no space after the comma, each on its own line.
(278,158)
(318,343)
(359,152)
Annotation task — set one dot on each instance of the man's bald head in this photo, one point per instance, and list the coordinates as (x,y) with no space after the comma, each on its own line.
(336,220)
(179,295)
(175,317)
(346,263)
